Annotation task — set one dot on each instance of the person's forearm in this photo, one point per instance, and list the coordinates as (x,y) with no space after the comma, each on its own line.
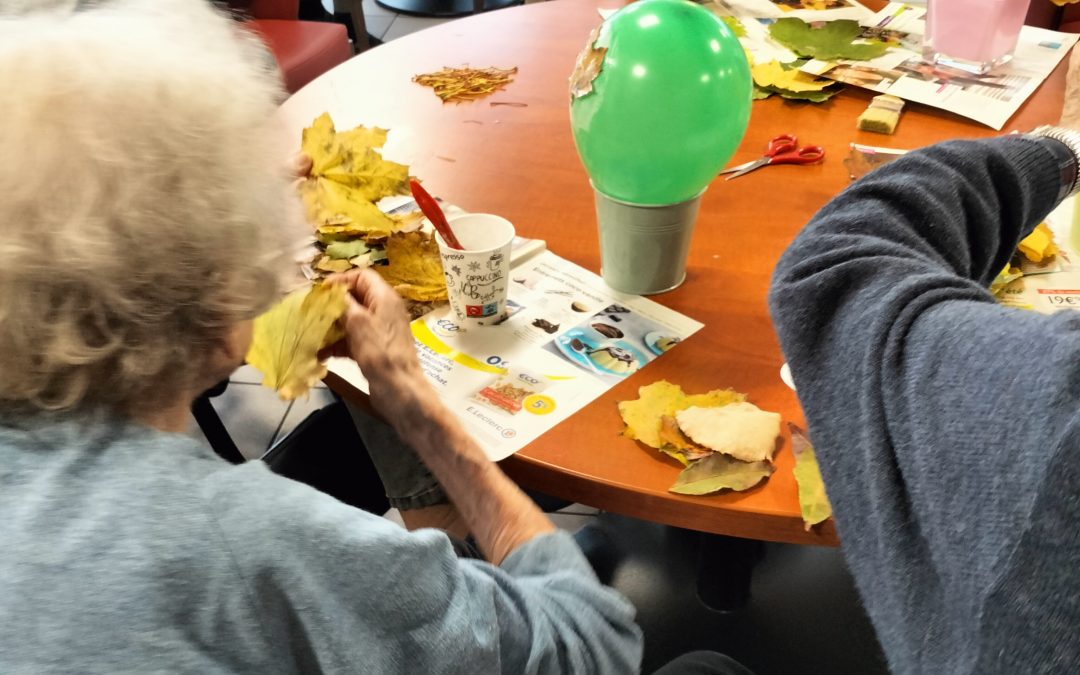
(498,514)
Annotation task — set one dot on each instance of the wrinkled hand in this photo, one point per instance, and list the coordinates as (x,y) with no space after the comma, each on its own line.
(378,338)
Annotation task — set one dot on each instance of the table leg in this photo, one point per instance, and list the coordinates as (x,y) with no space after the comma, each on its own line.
(725,570)
(356,14)
(445,8)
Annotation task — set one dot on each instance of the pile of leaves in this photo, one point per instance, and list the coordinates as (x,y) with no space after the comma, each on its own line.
(654,420)
(287,338)
(722,441)
(454,85)
(348,177)
(826,41)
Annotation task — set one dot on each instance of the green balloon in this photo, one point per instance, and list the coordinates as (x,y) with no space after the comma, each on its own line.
(669,107)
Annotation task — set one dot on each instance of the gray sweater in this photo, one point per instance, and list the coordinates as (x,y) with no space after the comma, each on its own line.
(945,424)
(130,550)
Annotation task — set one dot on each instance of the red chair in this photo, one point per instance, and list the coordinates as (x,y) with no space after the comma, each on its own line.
(1045,14)
(303,49)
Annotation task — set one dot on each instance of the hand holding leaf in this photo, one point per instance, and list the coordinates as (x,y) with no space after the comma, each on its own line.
(287,338)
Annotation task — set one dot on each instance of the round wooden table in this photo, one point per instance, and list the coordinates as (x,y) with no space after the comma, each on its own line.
(520,162)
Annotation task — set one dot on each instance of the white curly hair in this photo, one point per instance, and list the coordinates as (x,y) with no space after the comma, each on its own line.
(143,211)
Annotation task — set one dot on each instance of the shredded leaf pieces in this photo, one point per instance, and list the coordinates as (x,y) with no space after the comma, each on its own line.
(286,339)
(466,84)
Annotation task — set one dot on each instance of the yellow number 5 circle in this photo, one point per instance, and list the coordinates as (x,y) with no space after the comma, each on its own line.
(538,404)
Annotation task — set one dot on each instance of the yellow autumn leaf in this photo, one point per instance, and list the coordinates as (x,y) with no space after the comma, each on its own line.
(1005,277)
(371,176)
(286,339)
(643,416)
(772,74)
(414,267)
(813,502)
(348,176)
(1038,245)
(338,209)
(318,143)
(672,435)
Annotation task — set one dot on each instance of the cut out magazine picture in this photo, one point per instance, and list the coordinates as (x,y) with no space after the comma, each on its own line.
(613,343)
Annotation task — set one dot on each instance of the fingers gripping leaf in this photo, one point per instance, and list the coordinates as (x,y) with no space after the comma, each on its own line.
(287,338)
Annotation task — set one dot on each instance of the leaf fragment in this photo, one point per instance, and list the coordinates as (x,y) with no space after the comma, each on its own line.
(720,472)
(813,502)
(772,74)
(741,430)
(343,250)
(643,415)
(828,41)
(415,267)
(590,62)
(286,339)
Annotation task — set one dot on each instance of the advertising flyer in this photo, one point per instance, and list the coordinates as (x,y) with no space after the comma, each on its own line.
(567,339)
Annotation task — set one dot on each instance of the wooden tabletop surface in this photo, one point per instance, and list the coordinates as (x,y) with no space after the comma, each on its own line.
(520,162)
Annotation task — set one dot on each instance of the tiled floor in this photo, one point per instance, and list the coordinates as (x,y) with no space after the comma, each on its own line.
(386,25)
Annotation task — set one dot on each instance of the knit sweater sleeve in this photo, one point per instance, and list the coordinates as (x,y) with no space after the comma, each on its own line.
(941,419)
(340,590)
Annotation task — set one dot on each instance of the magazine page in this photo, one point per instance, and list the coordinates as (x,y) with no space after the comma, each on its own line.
(807,10)
(990,99)
(568,339)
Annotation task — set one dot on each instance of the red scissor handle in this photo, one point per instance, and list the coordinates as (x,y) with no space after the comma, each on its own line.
(784,143)
(805,155)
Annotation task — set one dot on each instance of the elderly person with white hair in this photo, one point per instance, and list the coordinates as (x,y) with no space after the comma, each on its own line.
(141,229)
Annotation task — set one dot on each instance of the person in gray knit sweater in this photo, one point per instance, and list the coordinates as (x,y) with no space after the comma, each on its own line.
(143,217)
(946,425)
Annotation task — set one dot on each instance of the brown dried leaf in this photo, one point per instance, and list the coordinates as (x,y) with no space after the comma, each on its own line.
(589,64)
(415,267)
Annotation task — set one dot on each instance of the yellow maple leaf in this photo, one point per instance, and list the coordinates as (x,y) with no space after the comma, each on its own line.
(318,142)
(337,209)
(772,74)
(286,339)
(348,176)
(644,415)
(371,176)
(414,267)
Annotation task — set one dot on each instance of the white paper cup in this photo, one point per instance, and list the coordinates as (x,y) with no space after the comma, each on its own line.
(477,278)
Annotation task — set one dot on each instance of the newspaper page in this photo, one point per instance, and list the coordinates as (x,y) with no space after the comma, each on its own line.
(568,339)
(989,99)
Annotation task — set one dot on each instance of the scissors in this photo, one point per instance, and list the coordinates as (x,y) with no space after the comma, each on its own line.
(784,149)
